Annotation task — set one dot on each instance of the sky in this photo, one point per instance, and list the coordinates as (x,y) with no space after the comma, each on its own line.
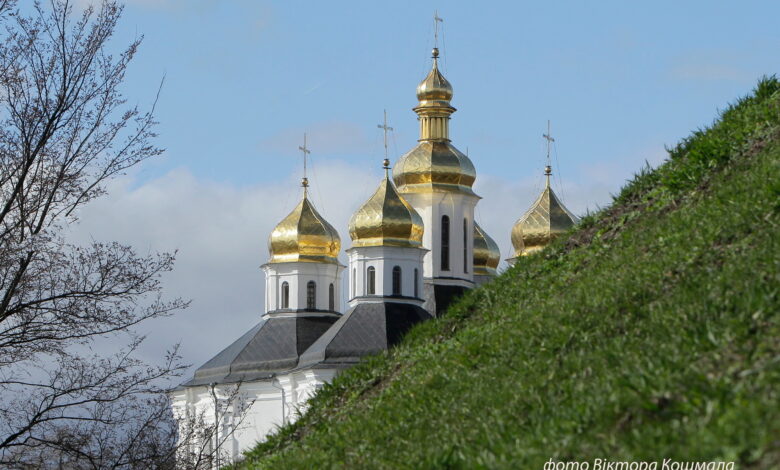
(243,80)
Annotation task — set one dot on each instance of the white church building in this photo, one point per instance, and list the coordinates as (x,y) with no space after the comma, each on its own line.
(415,247)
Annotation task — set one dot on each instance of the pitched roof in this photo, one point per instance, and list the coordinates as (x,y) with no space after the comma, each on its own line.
(366,328)
(273,345)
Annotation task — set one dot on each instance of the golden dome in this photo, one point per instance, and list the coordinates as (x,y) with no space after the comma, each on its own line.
(486,253)
(542,223)
(304,236)
(434,90)
(386,219)
(434,165)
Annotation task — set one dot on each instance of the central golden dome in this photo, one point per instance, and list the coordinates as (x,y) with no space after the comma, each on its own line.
(386,219)
(304,236)
(486,253)
(547,219)
(434,164)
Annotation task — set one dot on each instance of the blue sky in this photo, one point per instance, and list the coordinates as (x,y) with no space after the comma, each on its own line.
(245,79)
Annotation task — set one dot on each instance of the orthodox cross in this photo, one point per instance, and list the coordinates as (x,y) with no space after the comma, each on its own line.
(550,140)
(306,152)
(385,128)
(436,21)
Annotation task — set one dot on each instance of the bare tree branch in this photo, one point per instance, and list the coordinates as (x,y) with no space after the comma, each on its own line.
(65,131)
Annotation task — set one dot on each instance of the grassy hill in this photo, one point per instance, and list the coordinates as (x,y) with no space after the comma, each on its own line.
(651,332)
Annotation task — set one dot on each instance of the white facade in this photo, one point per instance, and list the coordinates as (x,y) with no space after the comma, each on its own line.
(257,408)
(459,209)
(297,276)
(383,260)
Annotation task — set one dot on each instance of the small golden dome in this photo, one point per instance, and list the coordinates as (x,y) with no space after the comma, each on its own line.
(434,89)
(486,253)
(542,223)
(386,219)
(304,236)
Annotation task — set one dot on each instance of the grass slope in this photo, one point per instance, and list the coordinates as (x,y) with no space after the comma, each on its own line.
(652,332)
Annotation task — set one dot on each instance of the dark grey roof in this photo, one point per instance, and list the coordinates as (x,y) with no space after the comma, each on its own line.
(365,329)
(273,345)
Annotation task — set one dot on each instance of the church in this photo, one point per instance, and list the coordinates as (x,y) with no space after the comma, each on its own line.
(415,247)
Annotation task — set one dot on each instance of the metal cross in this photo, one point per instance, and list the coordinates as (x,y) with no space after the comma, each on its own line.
(385,128)
(306,152)
(436,21)
(550,140)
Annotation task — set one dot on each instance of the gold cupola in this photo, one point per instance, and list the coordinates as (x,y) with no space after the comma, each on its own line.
(434,164)
(547,219)
(304,236)
(386,219)
(486,253)
(435,90)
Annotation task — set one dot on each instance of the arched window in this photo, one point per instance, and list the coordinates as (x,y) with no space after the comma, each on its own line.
(311,295)
(465,246)
(354,280)
(371,280)
(397,280)
(285,295)
(331,298)
(416,281)
(445,243)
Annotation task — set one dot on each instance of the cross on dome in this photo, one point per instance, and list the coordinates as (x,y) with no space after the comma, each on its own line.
(436,21)
(550,140)
(386,129)
(306,152)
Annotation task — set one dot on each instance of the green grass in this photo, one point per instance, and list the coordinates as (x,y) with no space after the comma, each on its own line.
(652,331)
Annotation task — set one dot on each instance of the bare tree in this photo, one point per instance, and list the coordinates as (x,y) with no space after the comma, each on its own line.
(65,130)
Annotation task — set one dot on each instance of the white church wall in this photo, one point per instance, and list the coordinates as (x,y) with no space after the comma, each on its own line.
(431,207)
(297,275)
(383,259)
(256,410)
(307,382)
(240,428)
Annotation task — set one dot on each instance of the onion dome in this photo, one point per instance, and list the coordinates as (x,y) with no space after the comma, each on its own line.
(386,219)
(304,236)
(434,164)
(547,219)
(434,90)
(486,253)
